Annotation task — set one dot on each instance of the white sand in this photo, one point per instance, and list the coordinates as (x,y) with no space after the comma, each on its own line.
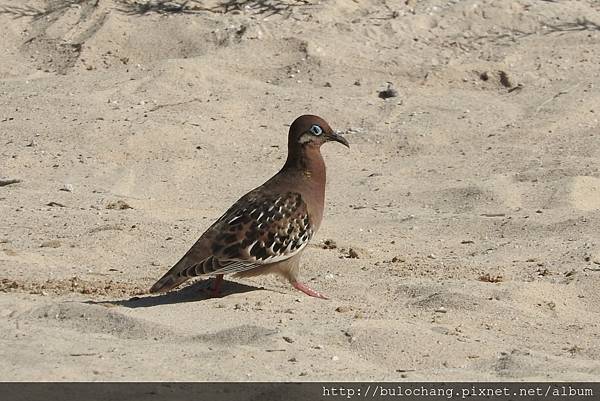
(462,179)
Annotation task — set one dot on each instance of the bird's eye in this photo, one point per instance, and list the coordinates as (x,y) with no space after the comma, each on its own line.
(316,130)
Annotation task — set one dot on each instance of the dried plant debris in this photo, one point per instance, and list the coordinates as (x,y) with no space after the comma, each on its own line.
(71,285)
(488,278)
(9,181)
(263,7)
(118,205)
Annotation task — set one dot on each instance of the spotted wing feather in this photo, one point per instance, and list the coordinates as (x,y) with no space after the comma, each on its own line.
(259,229)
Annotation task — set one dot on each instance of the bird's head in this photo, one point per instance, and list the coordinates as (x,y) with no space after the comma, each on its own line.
(313,131)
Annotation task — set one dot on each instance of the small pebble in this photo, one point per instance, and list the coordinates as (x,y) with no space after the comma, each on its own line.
(329,244)
(353,254)
(390,91)
(355,130)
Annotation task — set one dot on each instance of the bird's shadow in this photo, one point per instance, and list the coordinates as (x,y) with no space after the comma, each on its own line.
(199,291)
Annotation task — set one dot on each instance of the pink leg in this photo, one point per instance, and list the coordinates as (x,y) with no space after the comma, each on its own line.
(216,290)
(308,291)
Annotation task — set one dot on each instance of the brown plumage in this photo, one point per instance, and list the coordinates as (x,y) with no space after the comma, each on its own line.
(267,229)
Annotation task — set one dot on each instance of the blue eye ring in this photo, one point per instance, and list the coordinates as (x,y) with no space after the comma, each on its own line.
(316,130)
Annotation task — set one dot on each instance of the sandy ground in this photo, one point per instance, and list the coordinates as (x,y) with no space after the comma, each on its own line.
(471,201)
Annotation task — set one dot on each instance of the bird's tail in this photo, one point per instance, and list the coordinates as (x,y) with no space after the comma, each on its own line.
(175,276)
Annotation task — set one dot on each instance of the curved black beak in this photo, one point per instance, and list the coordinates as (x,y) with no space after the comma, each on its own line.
(335,136)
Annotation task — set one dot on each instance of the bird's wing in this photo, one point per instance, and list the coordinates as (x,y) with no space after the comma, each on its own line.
(261,228)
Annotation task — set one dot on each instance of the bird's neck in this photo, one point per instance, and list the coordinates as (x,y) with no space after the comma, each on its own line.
(307,167)
(308,163)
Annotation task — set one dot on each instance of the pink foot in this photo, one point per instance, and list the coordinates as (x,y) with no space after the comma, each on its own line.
(308,291)
(216,290)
